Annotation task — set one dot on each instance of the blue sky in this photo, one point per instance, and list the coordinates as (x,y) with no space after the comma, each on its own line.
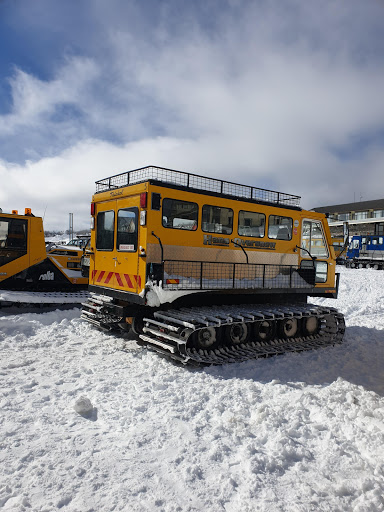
(285,95)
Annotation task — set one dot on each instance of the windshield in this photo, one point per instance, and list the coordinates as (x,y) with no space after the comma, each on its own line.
(13,239)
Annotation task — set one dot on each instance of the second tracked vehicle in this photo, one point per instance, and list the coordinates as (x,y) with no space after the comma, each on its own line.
(366,252)
(209,271)
(31,273)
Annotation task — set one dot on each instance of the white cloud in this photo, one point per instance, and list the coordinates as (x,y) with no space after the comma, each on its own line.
(34,99)
(65,183)
(262,94)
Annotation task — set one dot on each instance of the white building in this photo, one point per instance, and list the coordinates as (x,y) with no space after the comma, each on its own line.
(364,217)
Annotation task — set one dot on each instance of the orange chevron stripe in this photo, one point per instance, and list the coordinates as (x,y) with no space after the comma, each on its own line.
(128,279)
(104,277)
(108,278)
(101,275)
(118,279)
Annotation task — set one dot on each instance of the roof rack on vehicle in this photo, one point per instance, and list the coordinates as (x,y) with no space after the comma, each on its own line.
(194,181)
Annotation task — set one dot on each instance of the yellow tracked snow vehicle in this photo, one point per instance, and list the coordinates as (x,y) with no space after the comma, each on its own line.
(25,264)
(209,271)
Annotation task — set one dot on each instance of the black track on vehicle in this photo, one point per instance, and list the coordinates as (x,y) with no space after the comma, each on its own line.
(226,334)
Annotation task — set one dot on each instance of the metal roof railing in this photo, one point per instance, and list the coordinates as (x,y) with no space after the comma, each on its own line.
(194,181)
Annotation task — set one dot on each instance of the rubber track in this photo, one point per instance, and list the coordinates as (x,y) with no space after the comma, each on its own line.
(39,300)
(169,331)
(93,312)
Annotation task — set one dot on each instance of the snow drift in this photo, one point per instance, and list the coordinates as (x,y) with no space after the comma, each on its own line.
(297,432)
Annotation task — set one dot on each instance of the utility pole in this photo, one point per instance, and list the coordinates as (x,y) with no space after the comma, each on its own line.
(71,226)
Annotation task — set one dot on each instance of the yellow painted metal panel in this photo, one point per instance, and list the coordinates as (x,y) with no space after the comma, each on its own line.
(35,252)
(194,244)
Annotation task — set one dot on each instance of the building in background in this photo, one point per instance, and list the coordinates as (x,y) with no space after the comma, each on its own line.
(364,217)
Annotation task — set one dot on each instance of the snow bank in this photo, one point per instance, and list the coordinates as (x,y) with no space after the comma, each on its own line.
(292,433)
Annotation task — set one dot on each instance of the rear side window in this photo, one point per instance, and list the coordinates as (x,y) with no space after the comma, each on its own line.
(251,224)
(180,214)
(127,229)
(280,228)
(104,230)
(217,220)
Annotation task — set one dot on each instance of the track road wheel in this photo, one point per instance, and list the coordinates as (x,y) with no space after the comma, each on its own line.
(310,325)
(289,327)
(206,338)
(264,330)
(236,334)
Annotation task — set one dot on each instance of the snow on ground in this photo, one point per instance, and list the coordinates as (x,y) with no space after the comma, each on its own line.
(300,432)
(58,239)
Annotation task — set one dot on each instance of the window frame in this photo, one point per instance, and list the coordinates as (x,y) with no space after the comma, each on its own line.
(221,207)
(103,212)
(281,217)
(303,254)
(362,215)
(255,213)
(136,232)
(306,263)
(164,203)
(18,252)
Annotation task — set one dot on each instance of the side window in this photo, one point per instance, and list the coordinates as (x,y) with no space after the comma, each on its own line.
(251,224)
(280,228)
(313,240)
(127,229)
(13,239)
(105,230)
(180,214)
(217,220)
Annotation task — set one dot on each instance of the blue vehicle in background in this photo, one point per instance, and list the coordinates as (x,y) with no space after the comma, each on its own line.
(366,252)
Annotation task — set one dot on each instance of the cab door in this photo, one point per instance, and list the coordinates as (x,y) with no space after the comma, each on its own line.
(314,244)
(103,273)
(127,244)
(117,243)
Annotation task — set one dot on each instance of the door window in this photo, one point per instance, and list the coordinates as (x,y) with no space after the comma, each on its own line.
(105,230)
(313,240)
(127,229)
